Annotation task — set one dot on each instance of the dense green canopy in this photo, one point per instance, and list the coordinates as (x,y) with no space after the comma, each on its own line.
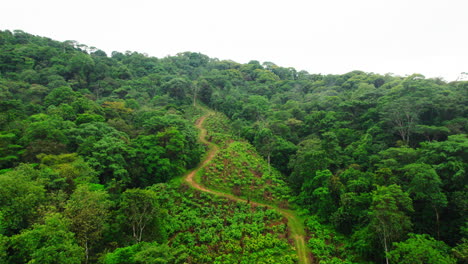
(91,147)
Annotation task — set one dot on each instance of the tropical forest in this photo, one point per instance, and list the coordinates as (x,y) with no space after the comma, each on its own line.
(125,158)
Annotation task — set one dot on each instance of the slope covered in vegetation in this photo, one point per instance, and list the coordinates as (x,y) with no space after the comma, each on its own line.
(377,164)
(295,231)
(237,168)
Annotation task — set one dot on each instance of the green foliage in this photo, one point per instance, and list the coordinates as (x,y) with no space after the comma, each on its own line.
(45,134)
(60,95)
(88,211)
(238,169)
(388,214)
(51,242)
(146,252)
(425,184)
(165,154)
(88,118)
(10,151)
(461,250)
(309,158)
(317,194)
(20,197)
(327,245)
(358,149)
(71,168)
(420,249)
(141,213)
(108,159)
(3,248)
(217,230)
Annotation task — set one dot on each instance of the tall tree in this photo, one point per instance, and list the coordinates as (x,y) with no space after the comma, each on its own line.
(309,158)
(402,115)
(388,215)
(263,141)
(425,185)
(140,212)
(88,211)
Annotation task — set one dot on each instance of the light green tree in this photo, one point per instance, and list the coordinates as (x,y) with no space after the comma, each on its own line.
(140,212)
(388,215)
(88,211)
(20,197)
(421,249)
(48,243)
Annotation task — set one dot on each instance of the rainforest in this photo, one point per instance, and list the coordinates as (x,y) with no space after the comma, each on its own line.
(128,158)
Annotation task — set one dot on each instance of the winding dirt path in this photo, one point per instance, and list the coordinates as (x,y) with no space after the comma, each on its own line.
(295,225)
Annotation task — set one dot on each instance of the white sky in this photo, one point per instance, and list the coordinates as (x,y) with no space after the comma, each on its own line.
(335,36)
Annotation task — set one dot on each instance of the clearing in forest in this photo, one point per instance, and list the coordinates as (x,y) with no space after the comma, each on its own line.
(232,169)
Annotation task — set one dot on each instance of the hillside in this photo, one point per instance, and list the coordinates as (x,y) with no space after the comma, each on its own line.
(365,167)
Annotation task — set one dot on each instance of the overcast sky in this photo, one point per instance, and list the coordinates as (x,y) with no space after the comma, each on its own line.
(328,36)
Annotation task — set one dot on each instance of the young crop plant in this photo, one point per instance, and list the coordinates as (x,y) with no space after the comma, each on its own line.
(218,230)
(238,169)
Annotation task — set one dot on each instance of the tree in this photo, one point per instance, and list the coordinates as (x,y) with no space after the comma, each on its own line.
(60,95)
(20,197)
(309,158)
(432,132)
(149,158)
(425,185)
(421,249)
(71,168)
(388,217)
(396,158)
(317,194)
(10,151)
(86,135)
(116,109)
(403,116)
(281,154)
(164,155)
(88,118)
(51,242)
(161,253)
(256,108)
(140,212)
(450,161)
(352,212)
(10,110)
(107,157)
(45,134)
(177,88)
(205,90)
(81,65)
(263,141)
(88,211)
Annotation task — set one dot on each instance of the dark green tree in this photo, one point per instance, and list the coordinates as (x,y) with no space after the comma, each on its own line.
(425,185)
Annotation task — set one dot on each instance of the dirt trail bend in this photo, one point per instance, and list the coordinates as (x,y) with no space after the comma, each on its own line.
(295,225)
